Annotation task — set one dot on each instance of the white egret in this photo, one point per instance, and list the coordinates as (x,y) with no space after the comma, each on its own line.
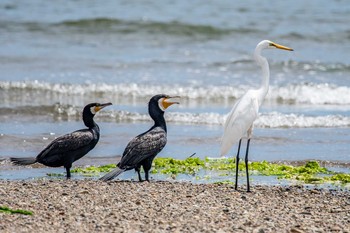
(239,122)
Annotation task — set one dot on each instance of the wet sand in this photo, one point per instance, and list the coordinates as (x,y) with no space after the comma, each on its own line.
(159,206)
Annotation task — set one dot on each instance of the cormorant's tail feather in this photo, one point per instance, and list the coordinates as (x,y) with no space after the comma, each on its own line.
(23,161)
(112,174)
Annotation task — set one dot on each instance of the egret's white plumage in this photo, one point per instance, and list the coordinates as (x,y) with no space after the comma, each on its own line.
(239,122)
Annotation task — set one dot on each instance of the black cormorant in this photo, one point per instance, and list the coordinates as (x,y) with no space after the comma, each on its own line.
(66,149)
(142,149)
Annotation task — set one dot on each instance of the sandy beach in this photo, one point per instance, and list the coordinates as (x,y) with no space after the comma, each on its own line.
(159,206)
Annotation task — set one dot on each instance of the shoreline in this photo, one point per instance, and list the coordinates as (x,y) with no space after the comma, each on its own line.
(163,206)
(317,174)
(97,161)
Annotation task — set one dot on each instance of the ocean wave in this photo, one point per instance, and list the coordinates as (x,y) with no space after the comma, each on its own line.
(122,26)
(326,37)
(268,120)
(305,93)
(265,120)
(309,93)
(137,26)
(141,26)
(279,120)
(316,66)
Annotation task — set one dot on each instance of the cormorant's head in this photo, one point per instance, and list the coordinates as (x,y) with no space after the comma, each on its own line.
(93,108)
(163,101)
(89,112)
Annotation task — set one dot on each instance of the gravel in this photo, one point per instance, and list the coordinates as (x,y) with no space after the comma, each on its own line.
(161,206)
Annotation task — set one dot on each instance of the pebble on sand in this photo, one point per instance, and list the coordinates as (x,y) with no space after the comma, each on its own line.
(161,206)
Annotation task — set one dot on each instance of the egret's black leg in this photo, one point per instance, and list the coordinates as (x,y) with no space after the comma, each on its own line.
(68,172)
(246,165)
(237,162)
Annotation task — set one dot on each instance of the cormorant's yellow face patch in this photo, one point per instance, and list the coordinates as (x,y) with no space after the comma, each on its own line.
(95,109)
(164,103)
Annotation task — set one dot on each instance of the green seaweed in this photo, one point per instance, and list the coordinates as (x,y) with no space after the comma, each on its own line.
(311,172)
(308,173)
(225,182)
(340,177)
(7,210)
(176,166)
(221,164)
(270,169)
(92,170)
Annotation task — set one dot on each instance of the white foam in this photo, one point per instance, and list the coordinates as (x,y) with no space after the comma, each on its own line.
(269,120)
(265,120)
(291,94)
(279,120)
(311,94)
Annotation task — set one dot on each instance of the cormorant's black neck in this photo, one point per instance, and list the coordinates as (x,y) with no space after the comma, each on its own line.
(158,116)
(88,119)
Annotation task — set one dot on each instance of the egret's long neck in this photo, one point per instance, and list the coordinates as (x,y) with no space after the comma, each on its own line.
(265,78)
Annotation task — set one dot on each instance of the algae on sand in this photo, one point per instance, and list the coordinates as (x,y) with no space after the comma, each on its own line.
(7,210)
(310,173)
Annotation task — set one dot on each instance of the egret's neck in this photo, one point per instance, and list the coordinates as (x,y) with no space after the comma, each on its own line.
(265,78)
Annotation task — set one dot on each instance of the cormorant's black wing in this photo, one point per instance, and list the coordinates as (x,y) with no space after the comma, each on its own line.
(143,146)
(68,142)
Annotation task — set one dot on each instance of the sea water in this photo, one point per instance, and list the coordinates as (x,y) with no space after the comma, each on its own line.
(57,57)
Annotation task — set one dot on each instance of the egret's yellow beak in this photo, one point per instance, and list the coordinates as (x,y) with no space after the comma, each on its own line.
(281,46)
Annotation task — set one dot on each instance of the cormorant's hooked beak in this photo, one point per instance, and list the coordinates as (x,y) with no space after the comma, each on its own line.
(166,103)
(101,106)
(281,46)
